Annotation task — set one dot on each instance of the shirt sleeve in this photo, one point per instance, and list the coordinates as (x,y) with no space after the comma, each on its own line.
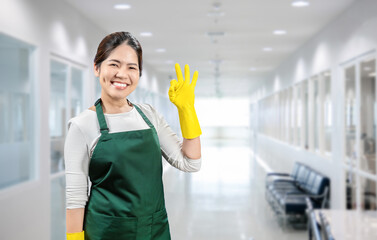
(171,146)
(76,161)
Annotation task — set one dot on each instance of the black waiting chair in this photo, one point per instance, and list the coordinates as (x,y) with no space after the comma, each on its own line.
(313,228)
(286,193)
(326,233)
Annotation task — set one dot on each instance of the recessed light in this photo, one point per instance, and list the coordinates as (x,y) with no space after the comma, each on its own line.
(267,49)
(300,3)
(215,14)
(122,6)
(146,34)
(160,50)
(280,32)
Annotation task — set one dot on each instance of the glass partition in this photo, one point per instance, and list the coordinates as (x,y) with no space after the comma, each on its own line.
(360,130)
(316,112)
(299,114)
(292,116)
(58,204)
(98,88)
(58,113)
(305,97)
(66,92)
(368,194)
(367,115)
(350,115)
(17,144)
(77,92)
(350,190)
(327,117)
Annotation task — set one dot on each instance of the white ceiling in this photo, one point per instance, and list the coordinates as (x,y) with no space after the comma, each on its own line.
(181,28)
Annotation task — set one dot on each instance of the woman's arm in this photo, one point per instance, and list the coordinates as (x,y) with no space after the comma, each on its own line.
(191,148)
(76,173)
(75,220)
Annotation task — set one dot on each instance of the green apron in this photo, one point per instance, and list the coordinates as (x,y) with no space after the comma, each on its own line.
(127,197)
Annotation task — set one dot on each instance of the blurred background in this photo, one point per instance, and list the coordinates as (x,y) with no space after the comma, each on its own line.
(280,82)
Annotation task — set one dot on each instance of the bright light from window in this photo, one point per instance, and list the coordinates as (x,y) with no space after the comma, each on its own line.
(225,112)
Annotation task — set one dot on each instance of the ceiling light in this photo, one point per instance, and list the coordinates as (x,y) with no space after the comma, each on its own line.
(367,69)
(160,50)
(267,49)
(215,14)
(280,32)
(373,74)
(146,34)
(300,3)
(215,34)
(122,6)
(252,69)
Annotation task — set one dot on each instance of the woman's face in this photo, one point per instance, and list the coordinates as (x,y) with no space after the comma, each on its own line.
(119,73)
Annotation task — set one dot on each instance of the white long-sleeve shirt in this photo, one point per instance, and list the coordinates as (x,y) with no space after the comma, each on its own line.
(83,135)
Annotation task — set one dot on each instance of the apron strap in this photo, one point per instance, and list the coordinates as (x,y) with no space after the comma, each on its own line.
(144,117)
(102,120)
(101,117)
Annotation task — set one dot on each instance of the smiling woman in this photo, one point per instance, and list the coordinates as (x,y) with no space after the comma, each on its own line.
(118,65)
(119,145)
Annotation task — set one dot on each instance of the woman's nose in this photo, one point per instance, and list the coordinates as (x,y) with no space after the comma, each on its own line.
(122,72)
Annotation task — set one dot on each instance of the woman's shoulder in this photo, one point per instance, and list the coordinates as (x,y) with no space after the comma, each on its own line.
(83,118)
(149,111)
(145,106)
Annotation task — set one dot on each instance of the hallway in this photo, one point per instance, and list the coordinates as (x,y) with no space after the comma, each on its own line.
(225,200)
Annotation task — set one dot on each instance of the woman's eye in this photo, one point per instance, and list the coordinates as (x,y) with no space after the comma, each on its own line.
(113,65)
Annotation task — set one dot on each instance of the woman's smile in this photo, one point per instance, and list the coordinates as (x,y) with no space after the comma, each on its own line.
(119,85)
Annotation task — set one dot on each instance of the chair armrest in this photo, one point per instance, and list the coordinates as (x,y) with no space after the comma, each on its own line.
(295,194)
(271,175)
(277,174)
(272,181)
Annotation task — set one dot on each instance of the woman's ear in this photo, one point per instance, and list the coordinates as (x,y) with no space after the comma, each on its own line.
(96,70)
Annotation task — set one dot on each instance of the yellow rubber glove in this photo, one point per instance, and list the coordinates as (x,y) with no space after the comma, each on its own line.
(75,236)
(181,93)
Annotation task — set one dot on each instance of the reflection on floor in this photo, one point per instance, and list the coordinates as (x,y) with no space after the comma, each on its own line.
(225,200)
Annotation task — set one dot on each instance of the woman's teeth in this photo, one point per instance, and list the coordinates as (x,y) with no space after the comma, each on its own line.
(119,84)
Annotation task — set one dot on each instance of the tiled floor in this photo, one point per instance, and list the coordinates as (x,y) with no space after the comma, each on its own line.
(225,200)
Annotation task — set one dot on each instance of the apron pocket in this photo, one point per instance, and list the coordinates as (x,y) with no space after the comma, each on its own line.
(160,226)
(103,227)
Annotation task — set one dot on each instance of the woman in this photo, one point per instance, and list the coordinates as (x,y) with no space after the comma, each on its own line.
(119,145)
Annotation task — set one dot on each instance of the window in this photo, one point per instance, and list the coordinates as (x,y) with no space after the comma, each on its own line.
(17,144)
(58,228)
(327,118)
(350,117)
(316,113)
(66,92)
(367,115)
(360,132)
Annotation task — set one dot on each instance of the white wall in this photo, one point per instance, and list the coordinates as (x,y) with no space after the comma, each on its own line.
(350,35)
(55,28)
